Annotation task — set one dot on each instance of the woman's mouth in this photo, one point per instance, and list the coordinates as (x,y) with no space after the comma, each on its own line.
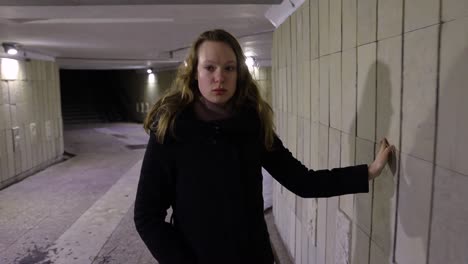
(219,91)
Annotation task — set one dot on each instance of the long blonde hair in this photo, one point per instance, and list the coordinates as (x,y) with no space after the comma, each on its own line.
(184,90)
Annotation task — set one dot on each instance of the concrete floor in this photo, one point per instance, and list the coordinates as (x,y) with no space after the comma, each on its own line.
(80,210)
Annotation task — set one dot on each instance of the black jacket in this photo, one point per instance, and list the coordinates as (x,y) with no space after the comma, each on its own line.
(210,173)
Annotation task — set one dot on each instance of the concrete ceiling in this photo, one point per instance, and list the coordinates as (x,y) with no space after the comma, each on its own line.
(125,34)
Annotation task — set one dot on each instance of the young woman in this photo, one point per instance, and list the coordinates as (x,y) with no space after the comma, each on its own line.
(209,138)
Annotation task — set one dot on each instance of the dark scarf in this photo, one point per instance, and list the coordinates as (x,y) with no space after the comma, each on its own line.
(197,121)
(207,111)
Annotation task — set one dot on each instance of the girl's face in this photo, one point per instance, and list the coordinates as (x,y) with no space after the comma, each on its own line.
(216,72)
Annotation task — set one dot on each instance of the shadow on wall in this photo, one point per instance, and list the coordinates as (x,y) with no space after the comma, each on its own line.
(417,166)
(419,169)
(365,207)
(449,239)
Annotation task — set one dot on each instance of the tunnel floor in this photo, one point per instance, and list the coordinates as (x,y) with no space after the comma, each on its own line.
(81,210)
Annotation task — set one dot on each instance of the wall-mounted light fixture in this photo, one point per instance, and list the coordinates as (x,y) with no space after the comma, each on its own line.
(10,48)
(149,70)
(250,61)
(9,68)
(277,14)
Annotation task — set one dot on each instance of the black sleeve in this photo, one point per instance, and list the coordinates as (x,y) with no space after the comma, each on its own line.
(293,175)
(153,198)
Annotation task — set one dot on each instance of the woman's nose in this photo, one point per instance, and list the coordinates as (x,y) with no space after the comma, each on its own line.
(219,75)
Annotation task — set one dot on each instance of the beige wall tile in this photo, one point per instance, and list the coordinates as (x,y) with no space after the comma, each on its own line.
(292,134)
(305,9)
(384,207)
(314,145)
(324,83)
(13,91)
(4,93)
(3,155)
(300,90)
(332,209)
(343,239)
(323,147)
(304,245)
(349,24)
(311,219)
(282,89)
(334,149)
(10,154)
(23,148)
(289,90)
(452,121)
(29,71)
(306,86)
(452,9)
(366,91)
(22,74)
(324,27)
(314,91)
(298,237)
(419,92)
(421,13)
(360,246)
(291,230)
(366,21)
(287,35)
(307,143)
(322,230)
(14,115)
(28,147)
(363,201)
(299,35)
(5,117)
(390,18)
(449,223)
(348,147)
(312,254)
(300,140)
(389,89)
(42,70)
(294,66)
(279,47)
(20,93)
(335,90)
(377,256)
(349,91)
(335,26)
(413,210)
(314,29)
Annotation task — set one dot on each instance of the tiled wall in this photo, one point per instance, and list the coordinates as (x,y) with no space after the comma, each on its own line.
(30,118)
(346,74)
(262,75)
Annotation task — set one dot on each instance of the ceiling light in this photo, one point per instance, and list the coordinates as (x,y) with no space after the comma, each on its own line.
(10,48)
(249,61)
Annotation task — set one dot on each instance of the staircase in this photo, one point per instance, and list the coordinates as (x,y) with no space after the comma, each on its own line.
(74,113)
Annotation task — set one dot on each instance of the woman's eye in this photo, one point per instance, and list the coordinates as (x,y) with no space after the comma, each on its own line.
(210,68)
(230,68)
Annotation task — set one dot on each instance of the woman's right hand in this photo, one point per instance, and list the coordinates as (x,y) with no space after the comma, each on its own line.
(383,156)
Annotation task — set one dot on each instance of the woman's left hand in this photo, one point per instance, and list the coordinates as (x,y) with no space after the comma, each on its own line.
(376,167)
